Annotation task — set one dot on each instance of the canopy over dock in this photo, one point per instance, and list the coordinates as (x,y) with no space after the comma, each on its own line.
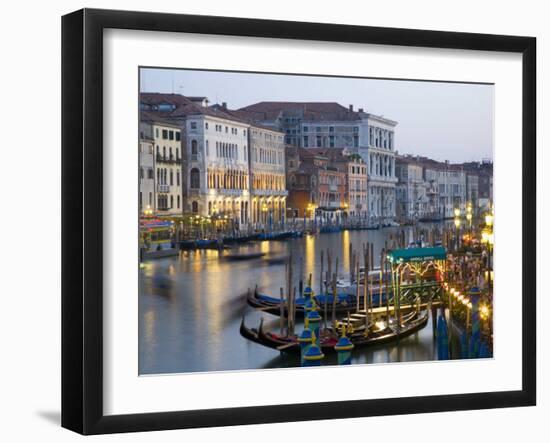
(417,254)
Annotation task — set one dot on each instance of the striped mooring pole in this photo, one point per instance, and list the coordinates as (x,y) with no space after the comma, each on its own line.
(305,339)
(442,339)
(313,354)
(344,347)
(314,321)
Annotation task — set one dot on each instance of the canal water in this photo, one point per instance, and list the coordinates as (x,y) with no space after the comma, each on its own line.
(191,306)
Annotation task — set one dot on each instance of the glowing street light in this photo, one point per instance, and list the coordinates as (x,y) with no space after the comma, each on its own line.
(489,219)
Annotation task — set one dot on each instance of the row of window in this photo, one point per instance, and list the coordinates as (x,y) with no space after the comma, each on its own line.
(320,141)
(381,165)
(381,138)
(233,208)
(228,150)
(165,178)
(220,128)
(268,156)
(141,200)
(165,202)
(169,152)
(358,170)
(227,179)
(168,134)
(146,171)
(330,129)
(268,181)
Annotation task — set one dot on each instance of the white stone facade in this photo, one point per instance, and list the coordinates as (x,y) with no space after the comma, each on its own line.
(379,154)
(216,168)
(147,195)
(267,176)
(168,169)
(412,200)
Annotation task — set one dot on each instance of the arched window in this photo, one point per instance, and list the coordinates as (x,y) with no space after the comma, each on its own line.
(171,201)
(195,179)
(164,152)
(178,201)
(194,147)
(171,178)
(195,207)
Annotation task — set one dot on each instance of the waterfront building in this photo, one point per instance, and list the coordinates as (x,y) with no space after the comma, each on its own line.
(167,142)
(310,124)
(412,190)
(267,176)
(484,171)
(379,154)
(472,189)
(317,188)
(354,170)
(315,125)
(451,187)
(216,156)
(147,195)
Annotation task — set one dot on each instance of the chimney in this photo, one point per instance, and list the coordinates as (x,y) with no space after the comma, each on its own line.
(360,109)
(351,108)
(224,105)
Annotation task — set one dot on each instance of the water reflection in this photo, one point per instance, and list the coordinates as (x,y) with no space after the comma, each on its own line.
(190,306)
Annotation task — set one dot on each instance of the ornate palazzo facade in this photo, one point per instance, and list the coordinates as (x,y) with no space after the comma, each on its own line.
(379,155)
(268,179)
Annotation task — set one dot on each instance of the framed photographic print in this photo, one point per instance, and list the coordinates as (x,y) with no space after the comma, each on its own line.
(271,221)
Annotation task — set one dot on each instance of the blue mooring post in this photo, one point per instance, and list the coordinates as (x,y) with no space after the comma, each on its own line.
(464,345)
(313,354)
(475,338)
(344,347)
(309,306)
(442,339)
(305,339)
(314,321)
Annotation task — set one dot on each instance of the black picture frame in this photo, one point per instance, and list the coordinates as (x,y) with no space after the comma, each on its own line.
(82,218)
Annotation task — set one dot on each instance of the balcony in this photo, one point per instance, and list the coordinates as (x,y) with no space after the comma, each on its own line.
(231,192)
(167,159)
(333,188)
(265,192)
(163,188)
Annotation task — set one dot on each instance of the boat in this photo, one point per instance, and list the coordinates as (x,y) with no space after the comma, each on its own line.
(345,303)
(412,323)
(243,256)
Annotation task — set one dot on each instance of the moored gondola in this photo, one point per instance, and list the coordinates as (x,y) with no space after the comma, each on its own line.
(376,336)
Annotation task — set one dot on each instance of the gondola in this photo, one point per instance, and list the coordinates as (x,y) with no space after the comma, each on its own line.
(243,256)
(346,302)
(411,324)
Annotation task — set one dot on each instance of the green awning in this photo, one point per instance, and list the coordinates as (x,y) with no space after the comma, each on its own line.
(417,254)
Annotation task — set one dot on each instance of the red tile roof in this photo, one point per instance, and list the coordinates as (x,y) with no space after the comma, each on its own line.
(308,111)
(183,107)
